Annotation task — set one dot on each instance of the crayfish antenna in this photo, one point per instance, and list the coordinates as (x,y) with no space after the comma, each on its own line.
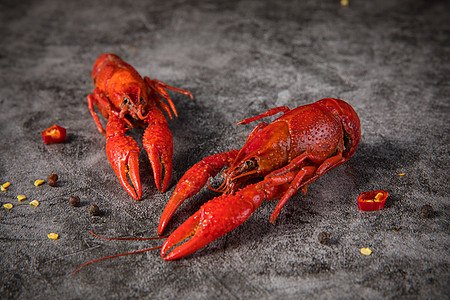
(122,254)
(269,113)
(113,256)
(244,174)
(221,189)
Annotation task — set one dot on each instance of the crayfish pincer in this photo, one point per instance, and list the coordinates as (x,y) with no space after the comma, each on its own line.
(280,159)
(127,100)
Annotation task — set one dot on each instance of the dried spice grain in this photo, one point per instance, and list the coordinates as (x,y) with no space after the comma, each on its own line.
(8,206)
(94,210)
(4,186)
(74,201)
(366,251)
(53,236)
(21,197)
(324,238)
(38,182)
(426,211)
(52,180)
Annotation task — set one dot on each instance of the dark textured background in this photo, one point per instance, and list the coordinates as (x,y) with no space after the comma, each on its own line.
(388,59)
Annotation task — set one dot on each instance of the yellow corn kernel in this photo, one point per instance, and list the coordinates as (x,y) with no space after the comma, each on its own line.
(401,174)
(4,186)
(38,182)
(344,2)
(8,205)
(21,197)
(366,251)
(53,236)
(34,202)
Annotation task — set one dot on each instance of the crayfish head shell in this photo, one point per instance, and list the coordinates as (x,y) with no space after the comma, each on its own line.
(133,102)
(264,152)
(238,175)
(131,96)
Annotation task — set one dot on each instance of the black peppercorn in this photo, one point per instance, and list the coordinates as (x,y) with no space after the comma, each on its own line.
(324,238)
(52,179)
(74,200)
(94,210)
(426,211)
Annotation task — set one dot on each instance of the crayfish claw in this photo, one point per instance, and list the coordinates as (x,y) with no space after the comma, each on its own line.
(158,143)
(169,210)
(159,160)
(123,155)
(214,219)
(133,174)
(186,230)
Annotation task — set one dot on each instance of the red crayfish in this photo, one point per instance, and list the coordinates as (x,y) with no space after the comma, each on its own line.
(285,156)
(128,100)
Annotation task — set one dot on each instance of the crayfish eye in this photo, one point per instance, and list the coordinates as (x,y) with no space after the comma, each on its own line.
(126,101)
(249,164)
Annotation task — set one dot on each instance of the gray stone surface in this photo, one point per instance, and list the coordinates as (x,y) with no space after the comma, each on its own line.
(388,59)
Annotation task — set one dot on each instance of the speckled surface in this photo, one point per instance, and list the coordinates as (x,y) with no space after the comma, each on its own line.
(388,59)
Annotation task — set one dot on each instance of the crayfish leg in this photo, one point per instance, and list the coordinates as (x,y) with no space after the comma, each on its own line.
(159,87)
(305,176)
(294,187)
(269,113)
(256,130)
(330,163)
(103,104)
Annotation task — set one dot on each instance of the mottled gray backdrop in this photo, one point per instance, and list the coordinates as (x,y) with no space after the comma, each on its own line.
(388,59)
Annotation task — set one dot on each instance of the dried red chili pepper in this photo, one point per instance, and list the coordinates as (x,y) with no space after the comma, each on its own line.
(54,134)
(373,200)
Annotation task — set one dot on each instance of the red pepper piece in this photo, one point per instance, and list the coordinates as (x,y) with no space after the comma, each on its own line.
(373,200)
(54,134)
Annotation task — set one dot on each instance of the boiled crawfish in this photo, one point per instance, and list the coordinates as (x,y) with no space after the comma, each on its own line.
(282,157)
(128,100)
